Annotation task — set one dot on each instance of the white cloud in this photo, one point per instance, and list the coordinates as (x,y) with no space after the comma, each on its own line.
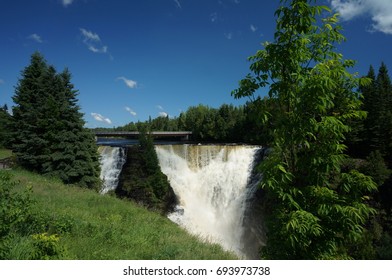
(100,118)
(93,41)
(163,114)
(132,112)
(380,12)
(253,28)
(90,36)
(128,83)
(103,49)
(35,37)
(178,4)
(213,17)
(67,2)
(229,36)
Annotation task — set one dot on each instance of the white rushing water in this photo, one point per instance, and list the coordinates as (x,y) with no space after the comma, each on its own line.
(112,161)
(211,183)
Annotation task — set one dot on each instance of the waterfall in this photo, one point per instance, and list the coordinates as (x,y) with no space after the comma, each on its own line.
(112,160)
(214,187)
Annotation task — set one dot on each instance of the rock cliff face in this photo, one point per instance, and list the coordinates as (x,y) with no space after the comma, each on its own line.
(6,163)
(141,180)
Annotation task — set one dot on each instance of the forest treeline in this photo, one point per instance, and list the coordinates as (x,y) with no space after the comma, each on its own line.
(226,124)
(369,149)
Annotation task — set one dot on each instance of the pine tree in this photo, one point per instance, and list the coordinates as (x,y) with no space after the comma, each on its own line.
(384,88)
(378,104)
(28,142)
(5,119)
(49,134)
(314,209)
(371,101)
(360,139)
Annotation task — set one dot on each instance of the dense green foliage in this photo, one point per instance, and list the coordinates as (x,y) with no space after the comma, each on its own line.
(25,231)
(208,124)
(378,103)
(48,130)
(370,144)
(142,180)
(315,210)
(57,221)
(14,211)
(5,120)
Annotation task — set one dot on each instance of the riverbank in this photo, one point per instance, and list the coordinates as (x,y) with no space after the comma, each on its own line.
(94,226)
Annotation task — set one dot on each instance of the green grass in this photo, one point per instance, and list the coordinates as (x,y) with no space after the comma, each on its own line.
(94,226)
(4,153)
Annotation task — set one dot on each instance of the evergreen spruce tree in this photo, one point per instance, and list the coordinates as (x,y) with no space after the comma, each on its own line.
(28,143)
(384,88)
(378,104)
(49,134)
(314,209)
(370,104)
(5,119)
(361,141)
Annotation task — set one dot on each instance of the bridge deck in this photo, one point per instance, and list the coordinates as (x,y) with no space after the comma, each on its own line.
(156,134)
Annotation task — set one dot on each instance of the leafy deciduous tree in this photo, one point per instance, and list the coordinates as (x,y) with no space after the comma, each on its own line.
(315,210)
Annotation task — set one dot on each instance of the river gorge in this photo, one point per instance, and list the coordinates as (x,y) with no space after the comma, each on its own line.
(216,189)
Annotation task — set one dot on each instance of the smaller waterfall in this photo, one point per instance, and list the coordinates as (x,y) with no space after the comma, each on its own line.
(112,161)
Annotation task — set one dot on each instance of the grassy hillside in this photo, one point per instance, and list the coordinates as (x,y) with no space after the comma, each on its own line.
(93,226)
(5,153)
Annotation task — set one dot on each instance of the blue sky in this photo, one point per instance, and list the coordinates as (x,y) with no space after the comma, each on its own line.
(131,59)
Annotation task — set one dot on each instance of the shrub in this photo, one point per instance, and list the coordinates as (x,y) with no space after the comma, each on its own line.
(47,247)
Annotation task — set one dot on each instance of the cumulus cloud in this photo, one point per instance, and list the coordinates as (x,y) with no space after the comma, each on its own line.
(67,2)
(100,118)
(93,41)
(132,112)
(35,37)
(380,11)
(163,114)
(129,83)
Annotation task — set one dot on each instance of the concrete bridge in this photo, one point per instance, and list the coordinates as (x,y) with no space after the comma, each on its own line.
(182,135)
